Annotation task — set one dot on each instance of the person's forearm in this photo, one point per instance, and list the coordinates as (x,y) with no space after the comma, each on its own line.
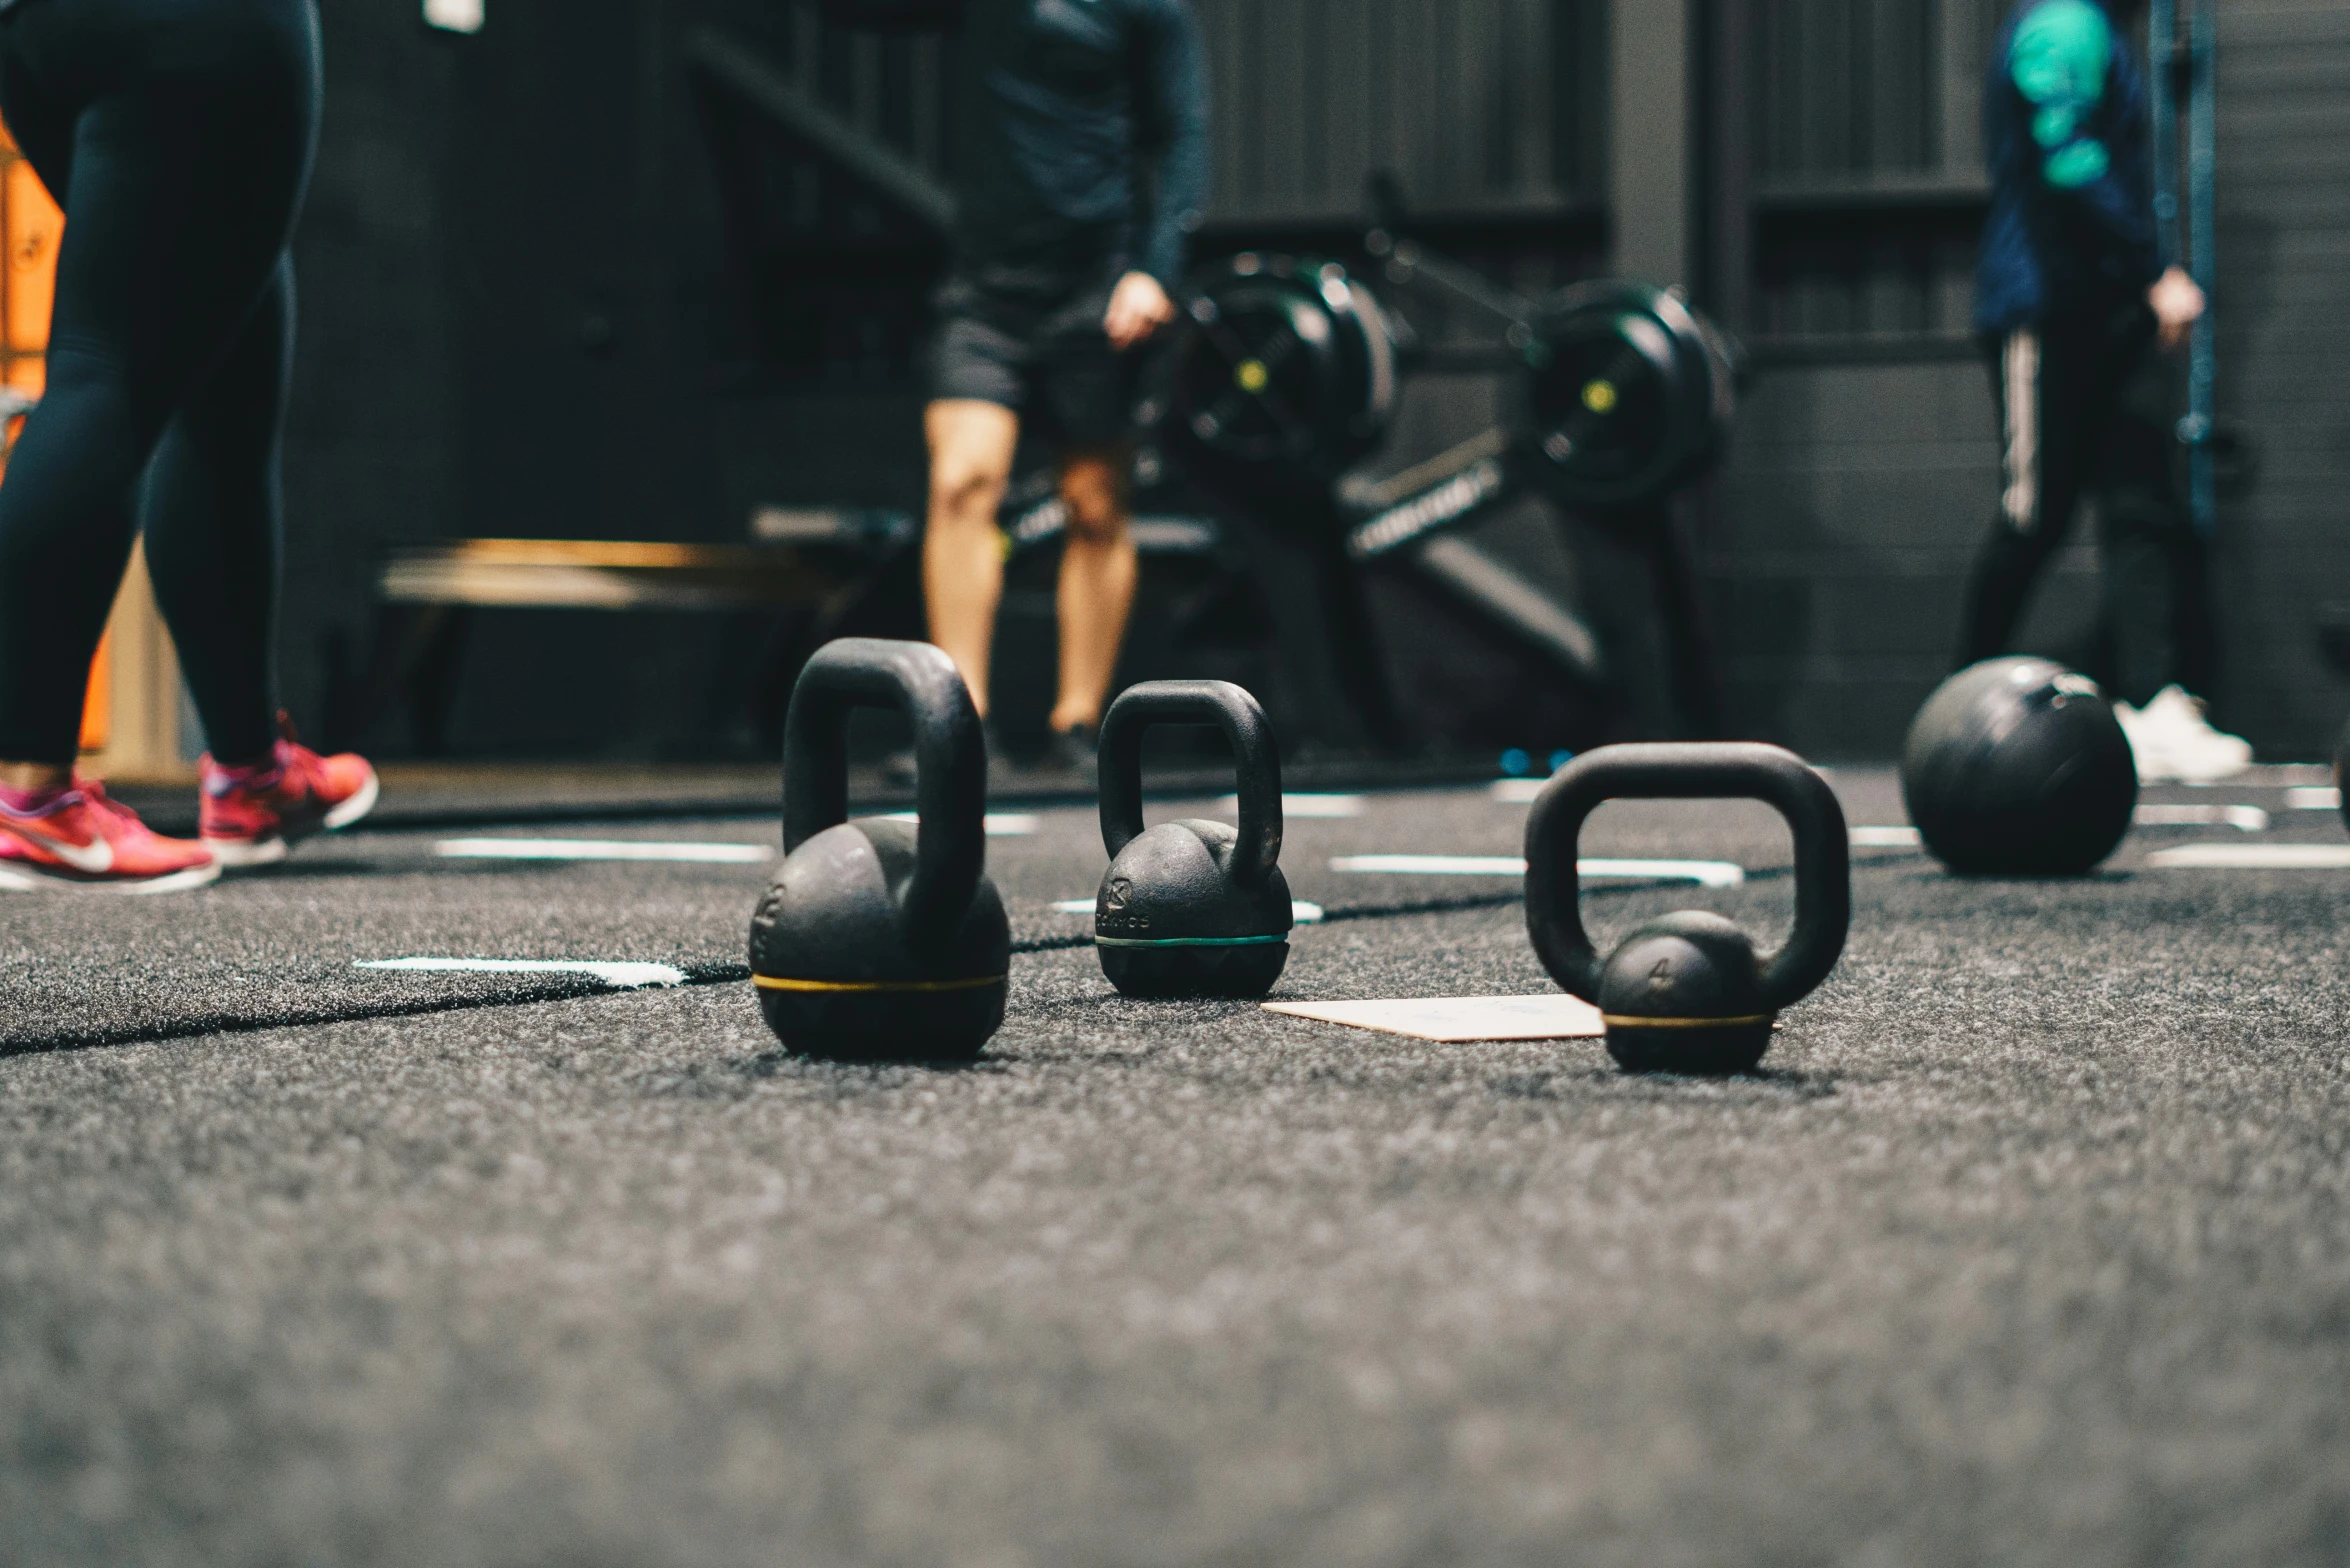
(1175,213)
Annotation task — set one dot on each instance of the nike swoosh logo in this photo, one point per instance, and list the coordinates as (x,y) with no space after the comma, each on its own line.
(95,858)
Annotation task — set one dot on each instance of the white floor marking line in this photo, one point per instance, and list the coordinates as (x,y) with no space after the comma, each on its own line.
(1000,824)
(1886,838)
(1705,873)
(1430,865)
(1521,792)
(2251,819)
(1455,1020)
(2310,798)
(1303,913)
(624,977)
(1333,807)
(2252,857)
(2286,775)
(601,849)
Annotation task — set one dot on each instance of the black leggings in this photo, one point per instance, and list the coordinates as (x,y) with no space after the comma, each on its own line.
(177,135)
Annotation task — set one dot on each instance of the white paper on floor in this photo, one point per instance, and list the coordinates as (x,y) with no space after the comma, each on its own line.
(601,849)
(1303,913)
(2252,857)
(1331,806)
(2311,798)
(2249,819)
(1000,824)
(1886,838)
(1705,873)
(1455,1020)
(625,977)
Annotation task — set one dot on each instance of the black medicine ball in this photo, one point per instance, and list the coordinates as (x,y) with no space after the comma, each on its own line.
(2018,767)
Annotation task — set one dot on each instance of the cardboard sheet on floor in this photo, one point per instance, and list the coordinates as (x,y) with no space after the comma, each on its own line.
(1456,1020)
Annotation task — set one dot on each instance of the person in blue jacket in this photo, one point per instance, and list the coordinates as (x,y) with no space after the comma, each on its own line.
(1083,168)
(2076,305)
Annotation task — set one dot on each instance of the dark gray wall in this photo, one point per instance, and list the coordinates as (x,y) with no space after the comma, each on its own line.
(538,301)
(1846,188)
(1462,99)
(2284,320)
(376,435)
(515,322)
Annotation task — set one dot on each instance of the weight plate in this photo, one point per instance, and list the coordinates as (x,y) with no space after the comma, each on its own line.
(1625,396)
(1281,375)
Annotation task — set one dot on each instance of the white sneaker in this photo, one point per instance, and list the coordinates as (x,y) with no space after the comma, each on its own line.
(2174,743)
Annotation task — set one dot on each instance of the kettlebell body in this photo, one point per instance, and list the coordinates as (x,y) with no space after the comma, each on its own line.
(1689,993)
(1192,908)
(882,940)
(1684,995)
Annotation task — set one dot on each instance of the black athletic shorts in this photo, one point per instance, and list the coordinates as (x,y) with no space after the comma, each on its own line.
(1031,340)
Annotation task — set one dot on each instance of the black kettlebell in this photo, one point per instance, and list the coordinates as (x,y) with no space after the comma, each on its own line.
(1192,908)
(1688,993)
(882,940)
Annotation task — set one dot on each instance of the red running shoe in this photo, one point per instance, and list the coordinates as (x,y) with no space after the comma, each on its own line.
(253,816)
(82,840)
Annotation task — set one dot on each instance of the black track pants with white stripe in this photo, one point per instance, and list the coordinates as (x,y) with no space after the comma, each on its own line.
(2084,412)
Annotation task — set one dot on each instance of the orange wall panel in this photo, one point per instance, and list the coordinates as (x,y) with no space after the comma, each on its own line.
(30,228)
(98,707)
(34,226)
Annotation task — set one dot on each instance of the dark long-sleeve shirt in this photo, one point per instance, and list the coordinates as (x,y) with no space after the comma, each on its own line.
(1069,105)
(2067,124)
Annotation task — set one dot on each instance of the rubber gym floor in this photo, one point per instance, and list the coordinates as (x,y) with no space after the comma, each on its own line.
(2030,1243)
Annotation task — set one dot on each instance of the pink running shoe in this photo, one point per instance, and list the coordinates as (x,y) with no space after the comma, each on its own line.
(254,816)
(84,841)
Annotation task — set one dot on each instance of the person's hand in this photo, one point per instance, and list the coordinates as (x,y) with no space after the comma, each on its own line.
(1138,308)
(2178,304)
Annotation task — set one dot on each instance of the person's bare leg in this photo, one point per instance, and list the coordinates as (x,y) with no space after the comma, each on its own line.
(1098,573)
(32,776)
(971,446)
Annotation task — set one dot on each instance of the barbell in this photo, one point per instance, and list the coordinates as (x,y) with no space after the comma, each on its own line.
(1282,374)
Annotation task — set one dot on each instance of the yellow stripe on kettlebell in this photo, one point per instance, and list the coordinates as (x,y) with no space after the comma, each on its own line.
(1633,1021)
(875,987)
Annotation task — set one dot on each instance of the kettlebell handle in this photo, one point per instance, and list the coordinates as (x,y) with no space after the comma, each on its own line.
(1737,771)
(950,755)
(1256,761)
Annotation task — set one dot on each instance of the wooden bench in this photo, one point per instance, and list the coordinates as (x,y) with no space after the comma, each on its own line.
(824,565)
